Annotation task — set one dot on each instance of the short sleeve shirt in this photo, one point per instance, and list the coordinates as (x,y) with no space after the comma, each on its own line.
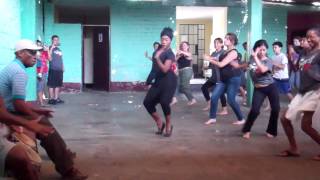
(56,59)
(257,76)
(13,81)
(280,73)
(166,55)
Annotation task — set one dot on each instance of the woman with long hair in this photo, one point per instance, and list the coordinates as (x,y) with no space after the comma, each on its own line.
(230,80)
(162,90)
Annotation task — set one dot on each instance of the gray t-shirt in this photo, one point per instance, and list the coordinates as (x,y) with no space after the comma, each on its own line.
(56,60)
(215,77)
(257,76)
(309,67)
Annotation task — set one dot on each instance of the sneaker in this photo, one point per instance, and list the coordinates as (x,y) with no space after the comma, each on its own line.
(239,122)
(59,101)
(74,174)
(52,102)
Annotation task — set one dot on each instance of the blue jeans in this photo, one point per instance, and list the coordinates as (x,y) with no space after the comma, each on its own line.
(232,86)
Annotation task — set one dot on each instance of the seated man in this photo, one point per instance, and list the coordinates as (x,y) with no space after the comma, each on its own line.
(13,80)
(14,158)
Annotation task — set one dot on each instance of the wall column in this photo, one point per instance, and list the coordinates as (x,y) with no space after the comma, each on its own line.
(254,34)
(28,31)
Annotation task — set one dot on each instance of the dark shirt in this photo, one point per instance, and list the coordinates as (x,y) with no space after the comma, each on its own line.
(183,62)
(164,56)
(215,77)
(309,67)
(56,60)
(228,71)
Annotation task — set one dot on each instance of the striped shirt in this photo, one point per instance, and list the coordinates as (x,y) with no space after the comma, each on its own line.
(13,81)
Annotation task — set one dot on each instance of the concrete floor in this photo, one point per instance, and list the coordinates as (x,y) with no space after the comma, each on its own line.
(114,139)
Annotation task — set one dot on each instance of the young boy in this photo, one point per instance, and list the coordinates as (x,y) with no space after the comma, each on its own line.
(280,70)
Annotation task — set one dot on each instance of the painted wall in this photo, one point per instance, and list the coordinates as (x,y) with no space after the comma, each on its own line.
(18,18)
(274,23)
(10,29)
(134,28)
(71,45)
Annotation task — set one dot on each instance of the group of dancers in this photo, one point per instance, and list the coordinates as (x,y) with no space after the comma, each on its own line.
(226,79)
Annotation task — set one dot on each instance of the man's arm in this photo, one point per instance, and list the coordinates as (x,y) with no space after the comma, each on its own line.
(22,107)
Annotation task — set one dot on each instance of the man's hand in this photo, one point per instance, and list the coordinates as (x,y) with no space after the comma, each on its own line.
(36,127)
(45,112)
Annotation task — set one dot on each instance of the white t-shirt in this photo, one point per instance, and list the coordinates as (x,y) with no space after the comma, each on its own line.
(277,72)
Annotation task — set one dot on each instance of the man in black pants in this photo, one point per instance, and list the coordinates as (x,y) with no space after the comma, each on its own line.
(13,81)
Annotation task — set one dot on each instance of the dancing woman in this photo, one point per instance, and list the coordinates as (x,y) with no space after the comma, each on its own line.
(162,90)
(306,102)
(184,58)
(260,67)
(230,80)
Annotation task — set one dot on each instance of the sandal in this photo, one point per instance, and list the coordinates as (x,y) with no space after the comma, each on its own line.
(160,130)
(288,153)
(168,134)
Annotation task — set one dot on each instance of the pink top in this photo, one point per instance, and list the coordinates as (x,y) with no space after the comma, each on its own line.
(44,57)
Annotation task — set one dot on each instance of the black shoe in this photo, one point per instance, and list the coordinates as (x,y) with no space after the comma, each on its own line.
(52,102)
(168,134)
(74,174)
(160,130)
(59,101)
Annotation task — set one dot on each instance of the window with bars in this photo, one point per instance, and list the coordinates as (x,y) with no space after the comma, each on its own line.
(195,35)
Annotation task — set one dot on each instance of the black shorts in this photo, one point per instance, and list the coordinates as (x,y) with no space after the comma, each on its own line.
(55,78)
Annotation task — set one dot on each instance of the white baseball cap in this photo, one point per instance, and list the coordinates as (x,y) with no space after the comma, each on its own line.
(26,44)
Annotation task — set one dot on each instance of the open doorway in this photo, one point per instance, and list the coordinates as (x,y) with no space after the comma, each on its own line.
(95,21)
(200,26)
(96,63)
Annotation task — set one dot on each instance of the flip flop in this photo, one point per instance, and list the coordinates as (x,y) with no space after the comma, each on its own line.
(288,153)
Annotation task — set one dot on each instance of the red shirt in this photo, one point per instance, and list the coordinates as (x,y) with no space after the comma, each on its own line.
(44,57)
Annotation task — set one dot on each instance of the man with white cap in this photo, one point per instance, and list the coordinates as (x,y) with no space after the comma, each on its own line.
(13,80)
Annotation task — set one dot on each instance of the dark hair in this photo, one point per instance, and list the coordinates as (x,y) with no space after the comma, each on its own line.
(184,42)
(156,43)
(233,38)
(54,36)
(244,44)
(260,43)
(167,31)
(315,29)
(38,41)
(277,43)
(219,40)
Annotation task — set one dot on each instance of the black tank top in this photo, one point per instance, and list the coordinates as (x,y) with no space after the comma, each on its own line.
(228,71)
(183,62)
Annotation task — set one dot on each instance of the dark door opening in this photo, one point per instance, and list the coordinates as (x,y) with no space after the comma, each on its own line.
(96,63)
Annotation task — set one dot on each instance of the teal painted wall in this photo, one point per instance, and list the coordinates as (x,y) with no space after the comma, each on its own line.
(18,19)
(71,45)
(273,23)
(10,29)
(134,28)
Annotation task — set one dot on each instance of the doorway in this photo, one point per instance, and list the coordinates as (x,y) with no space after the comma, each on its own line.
(96,57)
(194,34)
